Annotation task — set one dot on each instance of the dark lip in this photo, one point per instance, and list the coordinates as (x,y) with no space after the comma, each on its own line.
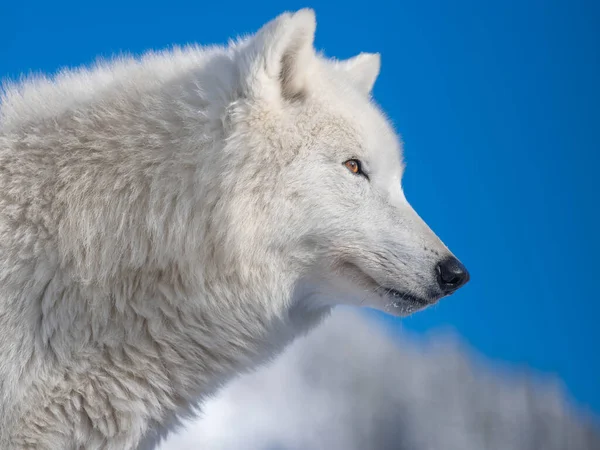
(396,296)
(400,296)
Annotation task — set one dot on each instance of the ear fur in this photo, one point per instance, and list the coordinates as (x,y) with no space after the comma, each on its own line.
(279,57)
(363,70)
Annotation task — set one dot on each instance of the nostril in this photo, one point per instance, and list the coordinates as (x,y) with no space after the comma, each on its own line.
(451,274)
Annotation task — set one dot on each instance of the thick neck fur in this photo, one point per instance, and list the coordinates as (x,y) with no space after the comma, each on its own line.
(119,317)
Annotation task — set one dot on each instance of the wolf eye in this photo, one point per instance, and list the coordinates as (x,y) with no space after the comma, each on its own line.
(354,166)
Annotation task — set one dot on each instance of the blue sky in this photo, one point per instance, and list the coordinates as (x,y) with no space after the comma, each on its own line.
(499,107)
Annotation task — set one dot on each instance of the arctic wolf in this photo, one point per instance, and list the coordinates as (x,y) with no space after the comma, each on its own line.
(169,221)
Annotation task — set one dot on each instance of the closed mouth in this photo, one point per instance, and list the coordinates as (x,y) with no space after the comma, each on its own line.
(396,297)
(399,297)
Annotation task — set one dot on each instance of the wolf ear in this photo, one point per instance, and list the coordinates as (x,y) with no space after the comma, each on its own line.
(363,70)
(279,57)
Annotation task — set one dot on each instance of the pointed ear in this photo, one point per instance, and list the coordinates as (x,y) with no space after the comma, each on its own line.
(279,57)
(363,70)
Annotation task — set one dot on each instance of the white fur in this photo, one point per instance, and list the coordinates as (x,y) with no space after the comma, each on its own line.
(170,221)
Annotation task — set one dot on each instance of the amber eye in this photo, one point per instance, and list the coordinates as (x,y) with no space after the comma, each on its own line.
(353,165)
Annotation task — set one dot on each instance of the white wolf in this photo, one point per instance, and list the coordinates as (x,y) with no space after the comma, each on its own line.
(169,221)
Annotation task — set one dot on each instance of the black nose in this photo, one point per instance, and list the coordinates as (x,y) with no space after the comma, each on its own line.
(451,274)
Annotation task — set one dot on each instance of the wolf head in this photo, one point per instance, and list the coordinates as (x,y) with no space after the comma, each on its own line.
(321,177)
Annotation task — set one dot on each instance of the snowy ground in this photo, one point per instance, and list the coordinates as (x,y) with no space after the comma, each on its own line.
(351,385)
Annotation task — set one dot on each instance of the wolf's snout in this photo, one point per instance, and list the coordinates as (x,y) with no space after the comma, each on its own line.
(451,274)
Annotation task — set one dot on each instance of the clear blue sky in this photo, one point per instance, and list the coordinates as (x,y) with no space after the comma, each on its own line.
(499,107)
